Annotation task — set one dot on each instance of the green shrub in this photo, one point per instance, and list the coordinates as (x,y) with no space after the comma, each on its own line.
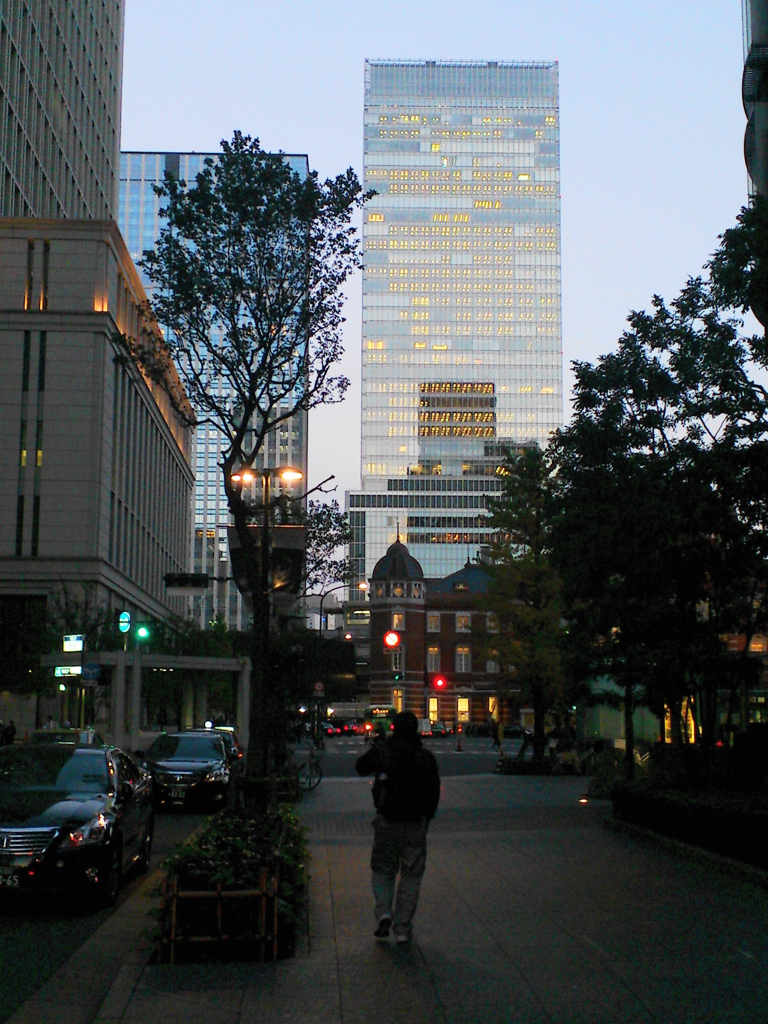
(235,848)
(731,823)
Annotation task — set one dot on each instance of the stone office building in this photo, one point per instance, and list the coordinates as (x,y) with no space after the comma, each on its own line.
(95,461)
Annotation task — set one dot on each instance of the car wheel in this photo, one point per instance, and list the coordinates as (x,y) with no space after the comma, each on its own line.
(109,876)
(146,848)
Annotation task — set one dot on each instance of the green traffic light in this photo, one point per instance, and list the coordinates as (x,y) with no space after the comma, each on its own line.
(142,632)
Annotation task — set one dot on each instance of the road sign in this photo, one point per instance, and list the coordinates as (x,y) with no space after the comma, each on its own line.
(124,622)
(91,671)
(319,687)
(72,642)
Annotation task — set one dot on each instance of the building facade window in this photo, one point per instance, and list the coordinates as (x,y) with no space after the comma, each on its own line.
(463,622)
(492,623)
(432,709)
(462,709)
(463,659)
(397,700)
(433,622)
(433,658)
(398,620)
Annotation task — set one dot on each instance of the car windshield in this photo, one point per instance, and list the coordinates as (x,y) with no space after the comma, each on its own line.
(57,768)
(193,748)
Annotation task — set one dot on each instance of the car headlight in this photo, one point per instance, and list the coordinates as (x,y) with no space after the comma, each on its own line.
(94,831)
(220,773)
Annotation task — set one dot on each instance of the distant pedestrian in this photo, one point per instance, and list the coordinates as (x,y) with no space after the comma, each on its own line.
(495,729)
(49,723)
(406,792)
(9,733)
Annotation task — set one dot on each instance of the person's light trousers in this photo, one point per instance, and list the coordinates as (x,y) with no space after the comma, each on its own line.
(398,846)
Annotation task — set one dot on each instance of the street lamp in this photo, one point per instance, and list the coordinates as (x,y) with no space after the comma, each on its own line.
(258,725)
(339,586)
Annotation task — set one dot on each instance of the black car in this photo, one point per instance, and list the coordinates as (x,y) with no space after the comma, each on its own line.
(72,818)
(235,753)
(69,737)
(189,768)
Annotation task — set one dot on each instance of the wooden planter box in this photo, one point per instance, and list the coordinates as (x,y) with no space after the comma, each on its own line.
(220,924)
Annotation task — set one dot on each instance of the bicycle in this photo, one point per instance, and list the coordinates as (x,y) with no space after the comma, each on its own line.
(310,771)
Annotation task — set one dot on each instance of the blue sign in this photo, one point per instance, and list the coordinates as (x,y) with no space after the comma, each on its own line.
(124,622)
(91,671)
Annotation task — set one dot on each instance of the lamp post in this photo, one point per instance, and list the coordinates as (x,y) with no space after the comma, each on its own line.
(258,756)
(360,586)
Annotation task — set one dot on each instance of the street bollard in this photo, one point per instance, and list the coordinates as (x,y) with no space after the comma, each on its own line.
(458,739)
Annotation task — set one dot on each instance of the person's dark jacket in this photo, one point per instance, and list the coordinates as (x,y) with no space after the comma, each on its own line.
(408,780)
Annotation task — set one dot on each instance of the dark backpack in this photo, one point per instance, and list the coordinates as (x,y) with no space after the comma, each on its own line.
(406,788)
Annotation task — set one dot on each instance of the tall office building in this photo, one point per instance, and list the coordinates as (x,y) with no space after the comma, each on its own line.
(754,89)
(140,224)
(61,67)
(462,348)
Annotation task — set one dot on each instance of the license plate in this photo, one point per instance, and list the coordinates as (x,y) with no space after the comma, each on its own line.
(178,794)
(8,878)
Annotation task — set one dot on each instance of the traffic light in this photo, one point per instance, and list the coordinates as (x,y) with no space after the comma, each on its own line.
(440,683)
(143,631)
(391,639)
(397,675)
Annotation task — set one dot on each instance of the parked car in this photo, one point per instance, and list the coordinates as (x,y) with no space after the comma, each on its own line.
(331,728)
(189,768)
(72,818)
(425,727)
(69,737)
(235,754)
(440,729)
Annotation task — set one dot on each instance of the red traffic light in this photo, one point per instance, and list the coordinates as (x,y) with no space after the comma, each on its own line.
(391,638)
(439,682)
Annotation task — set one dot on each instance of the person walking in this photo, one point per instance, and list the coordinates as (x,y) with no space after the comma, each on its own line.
(406,792)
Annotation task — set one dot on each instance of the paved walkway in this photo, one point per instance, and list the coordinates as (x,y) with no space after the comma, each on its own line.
(531,912)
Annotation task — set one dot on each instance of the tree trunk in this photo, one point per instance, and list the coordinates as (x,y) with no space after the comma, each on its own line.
(629,729)
(539,715)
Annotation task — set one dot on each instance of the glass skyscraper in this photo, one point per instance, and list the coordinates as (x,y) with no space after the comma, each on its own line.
(462,337)
(140,224)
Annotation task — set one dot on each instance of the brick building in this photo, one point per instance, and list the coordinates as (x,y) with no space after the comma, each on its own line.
(442,667)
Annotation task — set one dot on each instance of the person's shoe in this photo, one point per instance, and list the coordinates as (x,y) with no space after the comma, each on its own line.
(404,937)
(383,928)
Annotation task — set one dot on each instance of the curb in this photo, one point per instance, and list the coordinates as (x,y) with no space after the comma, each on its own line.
(127,929)
(725,865)
(124,983)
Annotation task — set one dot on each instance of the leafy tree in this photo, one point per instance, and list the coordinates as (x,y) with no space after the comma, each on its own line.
(525,592)
(248,272)
(327,532)
(661,535)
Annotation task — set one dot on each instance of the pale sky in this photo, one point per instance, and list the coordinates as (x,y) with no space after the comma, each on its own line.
(652,129)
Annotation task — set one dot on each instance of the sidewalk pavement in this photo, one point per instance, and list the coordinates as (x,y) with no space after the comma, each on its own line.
(531,912)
